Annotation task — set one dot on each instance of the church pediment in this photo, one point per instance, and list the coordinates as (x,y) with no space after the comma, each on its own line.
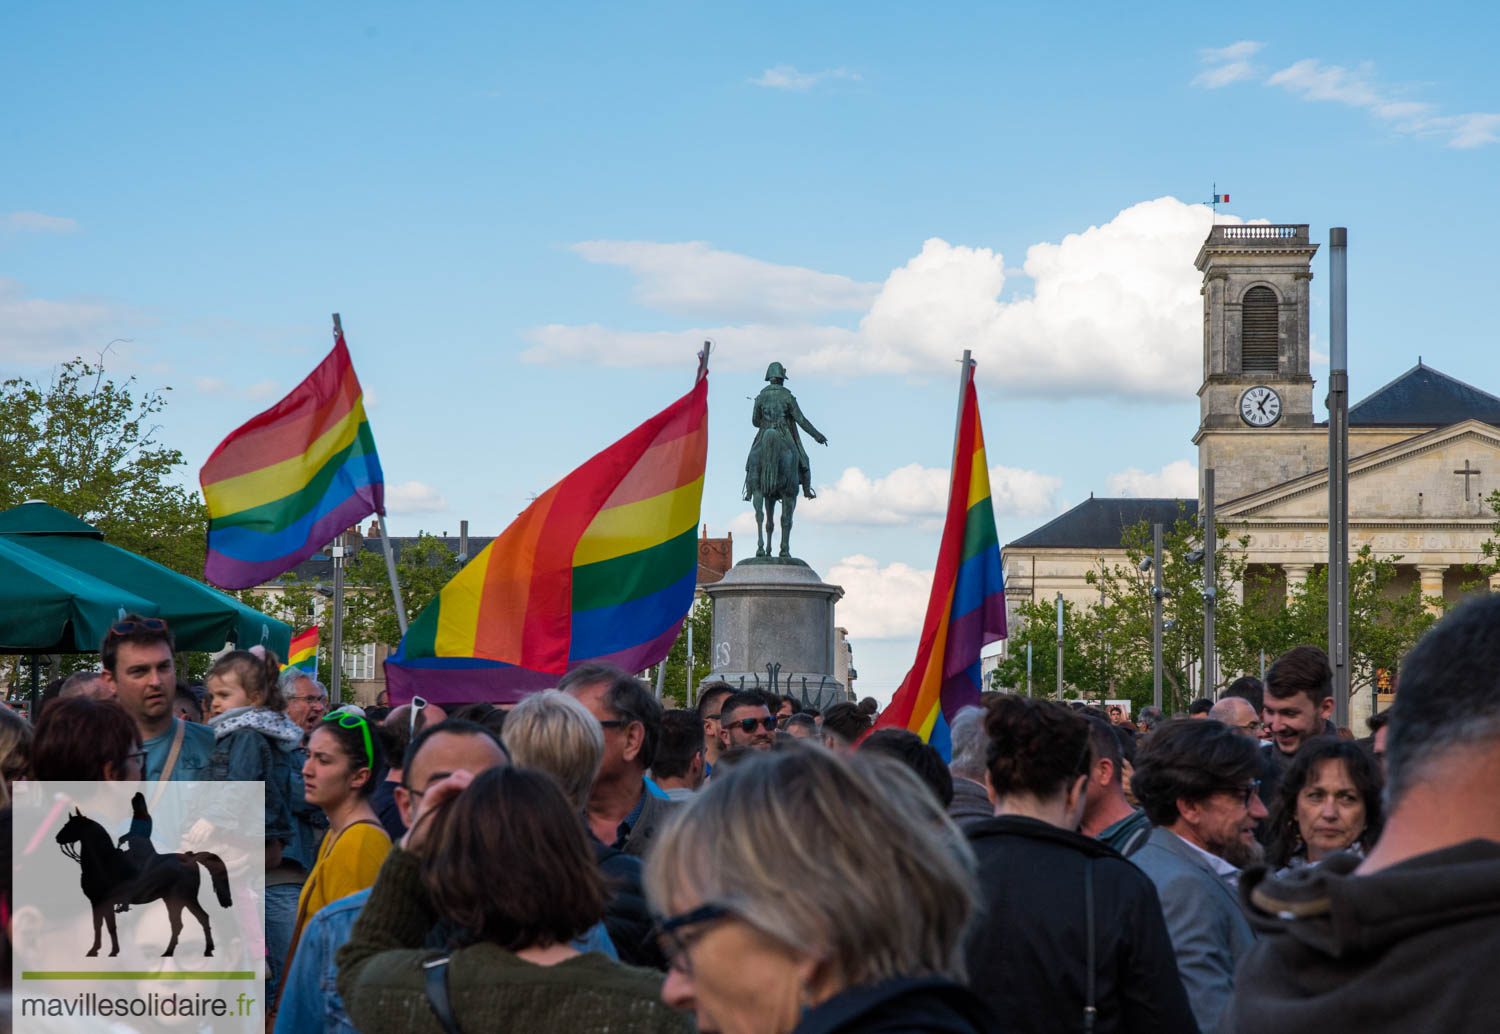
(1441,475)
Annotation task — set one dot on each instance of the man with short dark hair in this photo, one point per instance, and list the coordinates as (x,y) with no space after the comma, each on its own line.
(140,669)
(678,768)
(710,702)
(916,754)
(1298,702)
(1197,781)
(1400,940)
(1380,729)
(746,721)
(622,812)
(1249,689)
(1107,815)
(802,726)
(1199,708)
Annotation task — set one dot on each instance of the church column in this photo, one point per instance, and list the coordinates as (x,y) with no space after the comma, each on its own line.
(1432,584)
(1296,574)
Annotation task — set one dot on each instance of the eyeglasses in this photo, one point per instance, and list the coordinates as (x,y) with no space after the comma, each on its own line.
(417,704)
(749,724)
(139,757)
(1254,725)
(142,625)
(617,723)
(350,720)
(673,944)
(1244,793)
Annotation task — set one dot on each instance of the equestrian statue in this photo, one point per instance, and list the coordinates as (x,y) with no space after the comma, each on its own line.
(777,465)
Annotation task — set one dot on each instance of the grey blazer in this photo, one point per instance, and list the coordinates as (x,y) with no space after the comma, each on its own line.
(653,814)
(1209,932)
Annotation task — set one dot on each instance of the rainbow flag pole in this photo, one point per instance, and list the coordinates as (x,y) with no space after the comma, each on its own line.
(966,609)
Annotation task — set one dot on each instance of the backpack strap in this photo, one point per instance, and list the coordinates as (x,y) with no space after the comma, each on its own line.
(437,993)
(180,730)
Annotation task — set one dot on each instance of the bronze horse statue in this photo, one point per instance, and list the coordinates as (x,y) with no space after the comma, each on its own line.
(777,465)
(114,879)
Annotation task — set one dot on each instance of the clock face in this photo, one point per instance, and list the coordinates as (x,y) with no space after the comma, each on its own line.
(1260,406)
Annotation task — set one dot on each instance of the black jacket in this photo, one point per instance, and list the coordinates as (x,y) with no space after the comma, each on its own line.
(902,1006)
(626,917)
(1409,948)
(1028,952)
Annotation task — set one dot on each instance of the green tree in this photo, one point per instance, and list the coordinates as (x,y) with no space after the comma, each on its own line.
(1124,613)
(87,444)
(676,682)
(1383,623)
(1083,668)
(423,566)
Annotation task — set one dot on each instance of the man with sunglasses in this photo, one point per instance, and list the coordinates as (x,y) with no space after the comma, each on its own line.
(139,668)
(1197,781)
(623,812)
(746,721)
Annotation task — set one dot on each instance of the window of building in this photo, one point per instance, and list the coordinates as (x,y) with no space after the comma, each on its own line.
(359,661)
(1260,335)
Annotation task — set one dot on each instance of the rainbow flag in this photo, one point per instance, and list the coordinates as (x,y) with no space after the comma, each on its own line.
(304,651)
(967,607)
(601,567)
(282,485)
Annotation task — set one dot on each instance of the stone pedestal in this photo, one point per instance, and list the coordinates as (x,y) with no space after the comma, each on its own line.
(774,630)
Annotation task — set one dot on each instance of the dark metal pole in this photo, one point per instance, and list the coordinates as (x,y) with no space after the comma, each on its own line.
(1156,597)
(1338,470)
(1059,646)
(1210,587)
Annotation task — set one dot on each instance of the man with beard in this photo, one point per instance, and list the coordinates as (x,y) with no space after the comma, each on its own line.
(1197,781)
(746,721)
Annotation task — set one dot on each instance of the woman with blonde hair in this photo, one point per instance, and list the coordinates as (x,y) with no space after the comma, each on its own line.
(809,892)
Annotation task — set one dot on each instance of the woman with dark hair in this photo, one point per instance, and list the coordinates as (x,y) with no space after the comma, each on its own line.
(1071,935)
(510,964)
(1329,801)
(343,757)
(79,738)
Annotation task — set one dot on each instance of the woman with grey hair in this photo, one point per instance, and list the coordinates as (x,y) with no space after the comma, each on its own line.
(804,891)
(551,732)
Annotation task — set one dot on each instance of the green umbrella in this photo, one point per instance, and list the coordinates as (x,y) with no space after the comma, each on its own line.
(202,618)
(43,602)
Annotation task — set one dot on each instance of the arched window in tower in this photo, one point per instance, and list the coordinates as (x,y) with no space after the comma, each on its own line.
(1259,331)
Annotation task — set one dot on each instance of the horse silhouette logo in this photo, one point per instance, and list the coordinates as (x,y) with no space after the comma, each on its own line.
(114,879)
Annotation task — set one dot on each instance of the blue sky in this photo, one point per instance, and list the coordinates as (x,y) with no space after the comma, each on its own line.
(528,219)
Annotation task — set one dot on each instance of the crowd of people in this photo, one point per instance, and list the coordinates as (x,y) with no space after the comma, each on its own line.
(589,861)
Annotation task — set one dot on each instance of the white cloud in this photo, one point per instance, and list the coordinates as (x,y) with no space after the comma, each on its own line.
(914,492)
(219,386)
(880,602)
(1177,480)
(47,330)
(1227,65)
(414,497)
(1313,80)
(1113,311)
(210,385)
(786,77)
(37,222)
(694,280)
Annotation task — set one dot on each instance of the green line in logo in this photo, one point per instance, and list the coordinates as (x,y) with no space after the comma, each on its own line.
(116,974)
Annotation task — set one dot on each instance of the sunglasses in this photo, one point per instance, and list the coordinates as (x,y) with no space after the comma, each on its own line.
(1244,793)
(143,625)
(669,938)
(350,720)
(417,704)
(749,724)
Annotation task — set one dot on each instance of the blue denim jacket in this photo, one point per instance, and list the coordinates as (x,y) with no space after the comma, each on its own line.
(310,994)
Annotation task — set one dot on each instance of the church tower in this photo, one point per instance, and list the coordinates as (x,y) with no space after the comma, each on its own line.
(1256,403)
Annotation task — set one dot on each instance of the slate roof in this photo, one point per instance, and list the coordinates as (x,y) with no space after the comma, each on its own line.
(1099,523)
(1423,397)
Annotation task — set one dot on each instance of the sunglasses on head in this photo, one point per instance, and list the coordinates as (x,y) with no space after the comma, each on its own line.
(350,720)
(140,625)
(749,724)
(417,704)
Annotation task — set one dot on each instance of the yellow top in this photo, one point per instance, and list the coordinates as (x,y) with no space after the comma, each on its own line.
(346,863)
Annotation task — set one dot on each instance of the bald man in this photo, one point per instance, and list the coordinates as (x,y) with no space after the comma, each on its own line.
(1237,713)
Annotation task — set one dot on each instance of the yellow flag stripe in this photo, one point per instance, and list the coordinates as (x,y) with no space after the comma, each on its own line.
(640,525)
